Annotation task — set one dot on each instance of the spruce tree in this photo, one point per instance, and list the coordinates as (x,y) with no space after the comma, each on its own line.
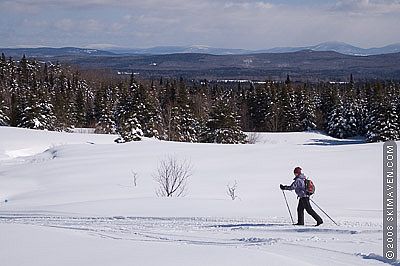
(259,107)
(307,112)
(80,103)
(16,111)
(4,119)
(383,120)
(342,121)
(183,123)
(129,129)
(385,125)
(145,110)
(154,126)
(275,115)
(223,125)
(127,114)
(106,122)
(327,100)
(290,111)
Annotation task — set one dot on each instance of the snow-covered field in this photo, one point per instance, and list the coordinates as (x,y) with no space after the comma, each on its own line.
(70,199)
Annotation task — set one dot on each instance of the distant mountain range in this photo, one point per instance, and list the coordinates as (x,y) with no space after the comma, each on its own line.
(305,65)
(160,50)
(338,47)
(49,52)
(312,63)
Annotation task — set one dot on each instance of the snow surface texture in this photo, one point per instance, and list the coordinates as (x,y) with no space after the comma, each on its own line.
(70,199)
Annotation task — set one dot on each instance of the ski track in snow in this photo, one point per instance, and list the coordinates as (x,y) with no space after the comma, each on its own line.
(269,234)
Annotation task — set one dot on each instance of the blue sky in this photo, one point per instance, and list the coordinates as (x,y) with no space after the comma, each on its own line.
(249,24)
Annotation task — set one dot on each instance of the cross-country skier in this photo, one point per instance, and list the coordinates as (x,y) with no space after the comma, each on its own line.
(298,186)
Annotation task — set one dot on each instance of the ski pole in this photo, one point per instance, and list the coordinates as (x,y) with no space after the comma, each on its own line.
(291,217)
(323,211)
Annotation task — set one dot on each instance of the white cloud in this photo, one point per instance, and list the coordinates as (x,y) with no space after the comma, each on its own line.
(225,23)
(23,5)
(247,5)
(364,7)
(65,24)
(93,25)
(29,5)
(85,26)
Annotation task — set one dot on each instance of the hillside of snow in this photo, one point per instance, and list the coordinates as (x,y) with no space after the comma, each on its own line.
(70,199)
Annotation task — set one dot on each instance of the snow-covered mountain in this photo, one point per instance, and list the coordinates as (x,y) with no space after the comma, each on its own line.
(73,199)
(52,52)
(159,50)
(339,47)
(102,50)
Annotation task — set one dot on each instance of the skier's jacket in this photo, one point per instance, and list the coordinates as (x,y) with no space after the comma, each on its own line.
(299,186)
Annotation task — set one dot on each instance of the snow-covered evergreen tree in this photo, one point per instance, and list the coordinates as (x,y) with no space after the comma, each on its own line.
(307,112)
(290,111)
(80,97)
(154,126)
(183,125)
(360,108)
(275,115)
(106,122)
(127,114)
(223,125)
(4,119)
(383,121)
(37,109)
(145,110)
(342,122)
(326,102)
(258,105)
(129,130)
(61,98)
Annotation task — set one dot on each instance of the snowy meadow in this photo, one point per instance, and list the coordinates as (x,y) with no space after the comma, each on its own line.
(82,199)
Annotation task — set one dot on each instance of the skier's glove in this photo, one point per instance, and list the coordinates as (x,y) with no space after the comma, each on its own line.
(282,186)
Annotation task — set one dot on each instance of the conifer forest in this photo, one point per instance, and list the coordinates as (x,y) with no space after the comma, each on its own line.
(54,97)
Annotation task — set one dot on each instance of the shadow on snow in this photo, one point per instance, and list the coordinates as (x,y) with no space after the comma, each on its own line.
(335,142)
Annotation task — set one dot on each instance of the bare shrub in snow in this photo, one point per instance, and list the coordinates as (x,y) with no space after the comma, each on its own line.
(253,137)
(135,178)
(172,176)
(231,191)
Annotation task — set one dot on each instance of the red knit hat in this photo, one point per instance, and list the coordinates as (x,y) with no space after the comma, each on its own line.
(297,170)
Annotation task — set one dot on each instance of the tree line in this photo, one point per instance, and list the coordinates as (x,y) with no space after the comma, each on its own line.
(54,97)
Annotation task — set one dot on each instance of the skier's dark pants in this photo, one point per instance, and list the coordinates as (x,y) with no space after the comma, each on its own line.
(304,203)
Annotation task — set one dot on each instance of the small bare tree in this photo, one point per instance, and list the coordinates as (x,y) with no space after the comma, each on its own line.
(172,176)
(253,137)
(231,191)
(135,177)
